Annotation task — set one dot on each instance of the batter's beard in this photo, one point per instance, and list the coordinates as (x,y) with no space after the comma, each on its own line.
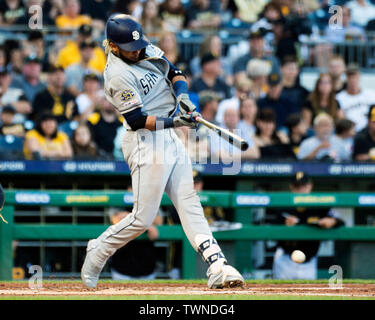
(141,56)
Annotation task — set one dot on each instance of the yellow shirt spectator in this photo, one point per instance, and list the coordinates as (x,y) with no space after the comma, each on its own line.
(65,22)
(70,54)
(46,146)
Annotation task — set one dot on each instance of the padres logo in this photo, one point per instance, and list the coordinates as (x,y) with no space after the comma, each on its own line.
(127,95)
(135,35)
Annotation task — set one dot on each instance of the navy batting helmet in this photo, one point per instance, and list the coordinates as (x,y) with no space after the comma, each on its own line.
(125,32)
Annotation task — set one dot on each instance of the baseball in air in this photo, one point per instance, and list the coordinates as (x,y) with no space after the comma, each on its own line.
(298,256)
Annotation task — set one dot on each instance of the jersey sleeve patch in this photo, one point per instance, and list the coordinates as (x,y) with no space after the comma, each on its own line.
(127,95)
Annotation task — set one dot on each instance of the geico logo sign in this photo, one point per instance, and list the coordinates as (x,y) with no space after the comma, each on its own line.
(32,198)
(253,200)
(128,198)
(366,200)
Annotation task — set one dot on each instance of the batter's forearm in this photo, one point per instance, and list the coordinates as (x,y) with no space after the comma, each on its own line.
(156,123)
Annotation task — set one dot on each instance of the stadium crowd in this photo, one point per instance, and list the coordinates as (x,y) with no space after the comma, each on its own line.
(51,93)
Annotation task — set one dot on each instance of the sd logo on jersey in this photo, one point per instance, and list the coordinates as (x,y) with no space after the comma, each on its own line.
(127,95)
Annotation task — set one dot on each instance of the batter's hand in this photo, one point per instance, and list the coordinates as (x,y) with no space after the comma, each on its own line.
(186,120)
(185,103)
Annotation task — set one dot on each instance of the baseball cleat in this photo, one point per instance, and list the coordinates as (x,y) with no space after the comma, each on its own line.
(227,277)
(91,269)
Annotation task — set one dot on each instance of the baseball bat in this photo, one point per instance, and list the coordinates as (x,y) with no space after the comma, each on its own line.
(226,134)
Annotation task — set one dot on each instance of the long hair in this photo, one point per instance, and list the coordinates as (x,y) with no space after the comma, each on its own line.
(165,34)
(315,97)
(38,126)
(267,115)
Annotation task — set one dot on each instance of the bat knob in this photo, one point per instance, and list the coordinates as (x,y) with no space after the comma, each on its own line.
(244,145)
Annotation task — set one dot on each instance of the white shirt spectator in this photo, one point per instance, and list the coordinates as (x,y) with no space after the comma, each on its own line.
(337,150)
(356,107)
(361,14)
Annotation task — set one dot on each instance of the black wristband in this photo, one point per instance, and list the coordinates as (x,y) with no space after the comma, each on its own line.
(164,123)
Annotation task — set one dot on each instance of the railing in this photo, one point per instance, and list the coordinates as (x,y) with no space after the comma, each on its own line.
(361,52)
(15,231)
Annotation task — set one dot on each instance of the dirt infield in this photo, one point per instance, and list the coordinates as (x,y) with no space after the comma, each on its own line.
(63,288)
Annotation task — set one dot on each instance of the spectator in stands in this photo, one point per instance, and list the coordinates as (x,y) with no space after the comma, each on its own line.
(151,22)
(297,131)
(242,90)
(346,31)
(322,99)
(324,146)
(248,112)
(10,11)
(70,54)
(212,44)
(209,106)
(210,83)
(84,148)
(290,80)
(284,39)
(3,57)
(8,127)
(271,12)
(173,13)
(91,97)
(354,101)
(13,96)
(35,45)
(267,138)
(248,11)
(279,102)
(336,69)
(256,43)
(222,149)
(345,130)
(75,72)
(131,7)
(29,81)
(203,15)
(258,71)
(364,142)
(46,142)
(53,8)
(168,43)
(104,125)
(29,15)
(362,11)
(283,266)
(55,99)
(16,59)
(72,19)
(98,11)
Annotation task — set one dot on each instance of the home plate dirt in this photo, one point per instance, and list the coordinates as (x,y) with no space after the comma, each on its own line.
(131,289)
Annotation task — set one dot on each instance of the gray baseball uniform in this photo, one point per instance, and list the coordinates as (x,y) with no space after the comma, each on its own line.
(157,159)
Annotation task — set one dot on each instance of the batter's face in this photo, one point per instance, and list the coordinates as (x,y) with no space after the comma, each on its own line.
(129,55)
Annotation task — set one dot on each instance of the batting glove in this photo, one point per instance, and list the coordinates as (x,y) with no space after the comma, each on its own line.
(186,120)
(185,103)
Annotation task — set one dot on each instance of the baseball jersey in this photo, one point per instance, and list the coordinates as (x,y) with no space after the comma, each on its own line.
(140,85)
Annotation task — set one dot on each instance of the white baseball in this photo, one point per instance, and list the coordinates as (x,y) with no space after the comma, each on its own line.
(298,256)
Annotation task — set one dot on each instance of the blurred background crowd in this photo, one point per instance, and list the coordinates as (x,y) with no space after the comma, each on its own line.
(244,62)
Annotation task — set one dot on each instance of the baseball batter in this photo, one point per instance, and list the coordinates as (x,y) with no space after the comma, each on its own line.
(148,91)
